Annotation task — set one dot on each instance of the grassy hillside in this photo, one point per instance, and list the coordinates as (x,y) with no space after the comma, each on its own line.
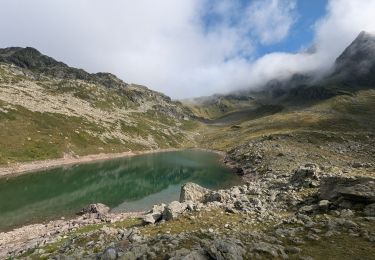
(216,106)
(43,116)
(340,114)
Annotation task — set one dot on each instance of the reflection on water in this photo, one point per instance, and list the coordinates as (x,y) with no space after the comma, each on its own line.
(127,184)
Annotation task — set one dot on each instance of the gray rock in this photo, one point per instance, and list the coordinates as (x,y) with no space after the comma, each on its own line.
(224,249)
(219,196)
(369,210)
(109,254)
(269,249)
(360,189)
(97,208)
(346,213)
(155,214)
(173,210)
(193,192)
(306,176)
(135,238)
(185,254)
(293,250)
(136,252)
(324,203)
(307,209)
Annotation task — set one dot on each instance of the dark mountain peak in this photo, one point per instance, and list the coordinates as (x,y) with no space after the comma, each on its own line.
(358,57)
(43,65)
(356,65)
(362,48)
(28,58)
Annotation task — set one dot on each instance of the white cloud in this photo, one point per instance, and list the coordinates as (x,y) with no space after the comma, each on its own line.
(345,19)
(270,20)
(165,46)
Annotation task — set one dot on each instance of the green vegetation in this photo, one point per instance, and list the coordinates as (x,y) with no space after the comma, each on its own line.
(49,117)
(338,115)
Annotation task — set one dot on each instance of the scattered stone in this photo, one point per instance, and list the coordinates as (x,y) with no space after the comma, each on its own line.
(224,249)
(270,249)
(307,209)
(109,254)
(346,213)
(306,176)
(293,250)
(369,210)
(323,204)
(155,214)
(97,208)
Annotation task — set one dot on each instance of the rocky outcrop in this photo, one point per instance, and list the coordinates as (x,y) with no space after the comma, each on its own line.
(354,189)
(193,192)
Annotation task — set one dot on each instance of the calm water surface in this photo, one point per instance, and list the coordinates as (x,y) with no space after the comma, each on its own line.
(126,184)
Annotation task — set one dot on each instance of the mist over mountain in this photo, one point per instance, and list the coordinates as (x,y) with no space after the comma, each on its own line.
(354,68)
(188,49)
(356,65)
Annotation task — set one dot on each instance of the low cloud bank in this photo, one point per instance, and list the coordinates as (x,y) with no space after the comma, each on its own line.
(183,48)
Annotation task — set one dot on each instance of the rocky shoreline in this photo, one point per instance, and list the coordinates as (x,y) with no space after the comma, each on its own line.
(276,218)
(20,240)
(306,211)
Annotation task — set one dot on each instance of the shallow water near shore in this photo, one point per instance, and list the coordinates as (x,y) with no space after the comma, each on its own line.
(125,184)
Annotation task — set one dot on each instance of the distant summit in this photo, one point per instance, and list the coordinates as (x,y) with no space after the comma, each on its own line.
(31,59)
(356,65)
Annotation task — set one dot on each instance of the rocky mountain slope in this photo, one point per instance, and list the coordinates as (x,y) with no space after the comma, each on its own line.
(355,67)
(353,70)
(50,110)
(306,156)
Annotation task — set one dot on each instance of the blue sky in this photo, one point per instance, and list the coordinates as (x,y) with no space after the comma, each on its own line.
(189,48)
(304,15)
(302,32)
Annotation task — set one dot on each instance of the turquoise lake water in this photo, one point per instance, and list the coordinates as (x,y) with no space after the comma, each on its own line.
(126,184)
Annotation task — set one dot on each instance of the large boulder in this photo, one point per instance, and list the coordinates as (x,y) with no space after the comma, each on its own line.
(97,208)
(193,192)
(155,214)
(354,189)
(174,209)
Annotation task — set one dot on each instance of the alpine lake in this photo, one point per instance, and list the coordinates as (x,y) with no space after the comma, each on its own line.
(125,185)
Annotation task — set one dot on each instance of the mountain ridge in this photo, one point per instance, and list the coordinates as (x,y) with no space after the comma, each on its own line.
(50,110)
(33,60)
